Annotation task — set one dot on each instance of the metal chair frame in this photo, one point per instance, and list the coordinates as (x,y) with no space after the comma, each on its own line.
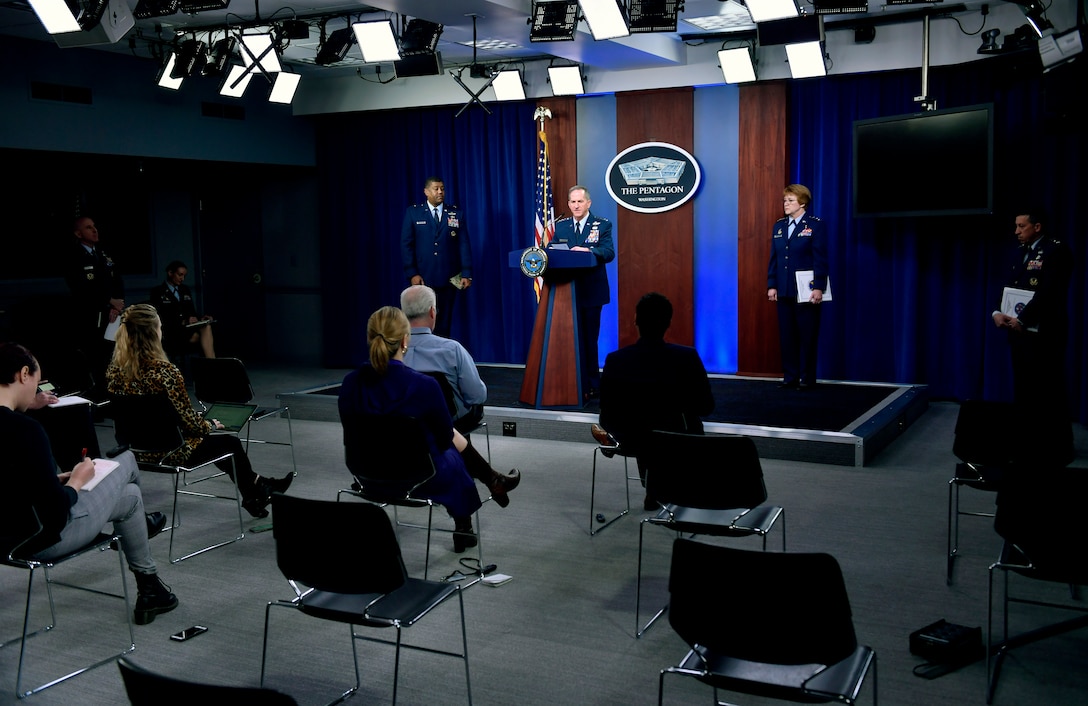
(100,543)
(609,452)
(709,510)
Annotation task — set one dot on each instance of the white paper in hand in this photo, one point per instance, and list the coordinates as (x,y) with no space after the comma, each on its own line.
(102,468)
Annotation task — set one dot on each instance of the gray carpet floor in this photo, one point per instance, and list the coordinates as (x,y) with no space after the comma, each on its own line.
(562,631)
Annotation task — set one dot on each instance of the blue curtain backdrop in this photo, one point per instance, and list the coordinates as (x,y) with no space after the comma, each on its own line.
(912,296)
(373,166)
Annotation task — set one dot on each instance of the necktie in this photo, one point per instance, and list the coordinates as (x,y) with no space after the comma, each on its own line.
(793,224)
(578,229)
(435,211)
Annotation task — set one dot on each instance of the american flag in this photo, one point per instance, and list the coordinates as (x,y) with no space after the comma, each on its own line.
(544,211)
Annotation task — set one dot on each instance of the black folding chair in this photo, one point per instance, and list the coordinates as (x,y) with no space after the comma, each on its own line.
(706,485)
(767,624)
(367,587)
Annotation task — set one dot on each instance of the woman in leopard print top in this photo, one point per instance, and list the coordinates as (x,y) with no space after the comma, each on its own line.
(140,367)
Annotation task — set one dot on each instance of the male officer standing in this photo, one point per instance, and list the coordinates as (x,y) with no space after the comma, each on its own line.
(435,250)
(586,232)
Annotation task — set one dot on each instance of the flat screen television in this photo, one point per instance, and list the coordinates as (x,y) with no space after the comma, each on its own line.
(937,163)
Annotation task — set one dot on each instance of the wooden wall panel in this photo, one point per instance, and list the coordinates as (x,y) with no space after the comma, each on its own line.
(654,250)
(764,171)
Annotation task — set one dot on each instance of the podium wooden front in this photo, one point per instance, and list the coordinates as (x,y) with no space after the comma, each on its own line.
(553,370)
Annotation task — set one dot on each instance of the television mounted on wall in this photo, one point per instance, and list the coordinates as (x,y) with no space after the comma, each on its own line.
(936,163)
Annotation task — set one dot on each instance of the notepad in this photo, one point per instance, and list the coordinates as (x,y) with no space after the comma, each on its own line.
(102,468)
(232,416)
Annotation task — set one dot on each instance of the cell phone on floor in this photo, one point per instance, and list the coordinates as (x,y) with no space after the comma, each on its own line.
(188,633)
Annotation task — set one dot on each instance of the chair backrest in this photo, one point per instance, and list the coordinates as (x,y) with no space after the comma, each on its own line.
(773,607)
(146,423)
(978,424)
(343,547)
(447,389)
(70,429)
(1038,510)
(145,688)
(712,471)
(388,454)
(221,380)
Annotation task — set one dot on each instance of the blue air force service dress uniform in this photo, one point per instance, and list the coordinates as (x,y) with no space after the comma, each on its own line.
(174,312)
(1038,352)
(436,251)
(798,324)
(590,286)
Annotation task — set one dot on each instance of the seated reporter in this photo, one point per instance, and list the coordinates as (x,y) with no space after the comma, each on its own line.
(385,385)
(140,367)
(69,516)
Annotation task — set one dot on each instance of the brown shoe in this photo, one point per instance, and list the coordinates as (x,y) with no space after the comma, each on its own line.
(500,485)
(603,437)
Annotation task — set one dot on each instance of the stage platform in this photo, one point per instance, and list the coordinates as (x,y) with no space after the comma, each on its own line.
(838,423)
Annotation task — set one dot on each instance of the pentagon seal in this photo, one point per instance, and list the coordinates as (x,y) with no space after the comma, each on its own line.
(533,262)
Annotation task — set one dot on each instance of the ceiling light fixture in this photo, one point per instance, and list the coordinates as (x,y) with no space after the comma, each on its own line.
(553,20)
(283,89)
(607,19)
(508,86)
(189,59)
(806,59)
(166,78)
(236,82)
(259,49)
(654,15)
(767,10)
(376,41)
(146,9)
(335,47)
(737,65)
(218,57)
(566,80)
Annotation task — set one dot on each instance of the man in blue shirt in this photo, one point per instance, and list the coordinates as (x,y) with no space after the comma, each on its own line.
(430,353)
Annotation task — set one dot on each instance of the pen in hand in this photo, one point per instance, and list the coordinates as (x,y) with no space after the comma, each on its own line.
(84,454)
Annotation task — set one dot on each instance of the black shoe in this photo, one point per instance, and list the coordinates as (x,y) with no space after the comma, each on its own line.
(256,507)
(501,485)
(464,539)
(278,485)
(153,597)
(156,522)
(789,385)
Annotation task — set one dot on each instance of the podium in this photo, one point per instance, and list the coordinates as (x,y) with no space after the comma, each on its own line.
(553,370)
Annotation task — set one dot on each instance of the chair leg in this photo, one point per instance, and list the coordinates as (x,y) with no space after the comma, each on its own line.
(351,637)
(593,527)
(639,628)
(953,539)
(26,634)
(176,520)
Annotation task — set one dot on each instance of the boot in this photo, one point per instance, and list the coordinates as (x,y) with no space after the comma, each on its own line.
(498,484)
(152,597)
(463,536)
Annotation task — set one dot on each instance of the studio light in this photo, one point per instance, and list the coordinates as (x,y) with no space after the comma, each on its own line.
(377,41)
(553,21)
(234,85)
(191,7)
(607,19)
(1058,49)
(1036,14)
(420,37)
(767,10)
(189,59)
(508,86)
(654,15)
(839,7)
(79,23)
(218,57)
(806,59)
(166,78)
(737,66)
(57,17)
(283,89)
(146,9)
(566,80)
(335,47)
(258,48)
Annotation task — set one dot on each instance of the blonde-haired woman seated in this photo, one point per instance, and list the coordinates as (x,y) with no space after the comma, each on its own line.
(140,367)
(386,385)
